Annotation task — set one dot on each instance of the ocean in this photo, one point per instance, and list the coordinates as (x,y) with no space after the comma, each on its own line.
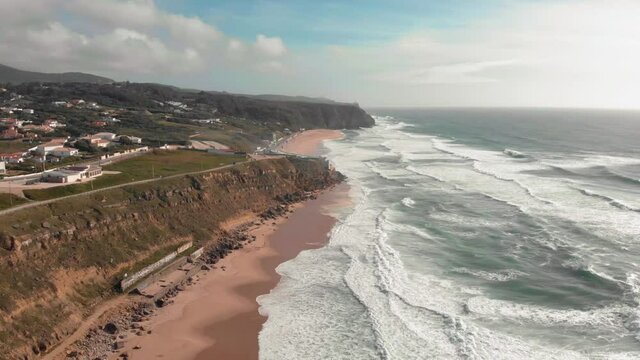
(475,234)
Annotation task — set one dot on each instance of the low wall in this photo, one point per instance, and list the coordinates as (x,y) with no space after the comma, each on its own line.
(196,254)
(134,278)
(124,152)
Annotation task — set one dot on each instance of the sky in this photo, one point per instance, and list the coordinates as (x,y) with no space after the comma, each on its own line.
(419,53)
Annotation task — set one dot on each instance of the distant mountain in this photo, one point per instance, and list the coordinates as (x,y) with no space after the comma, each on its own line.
(16,76)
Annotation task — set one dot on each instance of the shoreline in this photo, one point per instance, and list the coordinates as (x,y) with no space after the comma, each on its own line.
(218,317)
(309,142)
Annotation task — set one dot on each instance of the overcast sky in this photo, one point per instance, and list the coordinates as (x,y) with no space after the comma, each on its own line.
(554,53)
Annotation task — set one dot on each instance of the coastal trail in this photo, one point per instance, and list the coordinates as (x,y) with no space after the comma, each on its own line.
(45,202)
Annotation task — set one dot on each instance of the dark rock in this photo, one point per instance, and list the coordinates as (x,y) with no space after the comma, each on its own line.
(110,328)
(42,345)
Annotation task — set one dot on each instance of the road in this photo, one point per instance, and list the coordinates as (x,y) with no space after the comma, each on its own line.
(44,202)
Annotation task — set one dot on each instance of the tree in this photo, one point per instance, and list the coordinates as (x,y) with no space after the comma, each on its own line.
(86,146)
(125,140)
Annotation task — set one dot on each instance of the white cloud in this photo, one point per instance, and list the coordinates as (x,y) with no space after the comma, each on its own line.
(270,46)
(124,39)
(569,53)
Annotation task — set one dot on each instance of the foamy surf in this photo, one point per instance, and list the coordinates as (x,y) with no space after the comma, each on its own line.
(460,251)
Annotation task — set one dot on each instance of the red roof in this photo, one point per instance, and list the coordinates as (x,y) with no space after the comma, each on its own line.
(11,156)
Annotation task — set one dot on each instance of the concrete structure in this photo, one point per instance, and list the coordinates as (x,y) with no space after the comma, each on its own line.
(124,152)
(72,174)
(104,136)
(53,123)
(134,278)
(3,168)
(12,158)
(46,148)
(11,122)
(39,128)
(64,152)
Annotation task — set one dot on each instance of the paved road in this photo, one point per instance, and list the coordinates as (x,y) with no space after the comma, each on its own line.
(44,202)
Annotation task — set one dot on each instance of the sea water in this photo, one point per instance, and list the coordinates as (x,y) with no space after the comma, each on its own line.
(475,234)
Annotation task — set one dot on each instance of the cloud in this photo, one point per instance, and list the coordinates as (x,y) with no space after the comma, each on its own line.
(462,73)
(568,53)
(124,39)
(270,46)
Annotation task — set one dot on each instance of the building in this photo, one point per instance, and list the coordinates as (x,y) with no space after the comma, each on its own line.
(104,136)
(52,123)
(46,148)
(11,122)
(3,168)
(72,174)
(132,139)
(38,128)
(10,133)
(12,158)
(64,152)
(99,123)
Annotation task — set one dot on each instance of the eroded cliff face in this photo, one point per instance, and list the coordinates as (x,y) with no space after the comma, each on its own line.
(58,261)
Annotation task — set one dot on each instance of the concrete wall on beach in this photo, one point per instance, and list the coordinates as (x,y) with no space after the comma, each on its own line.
(134,278)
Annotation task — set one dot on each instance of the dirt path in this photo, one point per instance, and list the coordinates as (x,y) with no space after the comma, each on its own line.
(44,202)
(86,324)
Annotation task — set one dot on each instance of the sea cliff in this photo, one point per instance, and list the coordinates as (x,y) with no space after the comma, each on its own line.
(59,261)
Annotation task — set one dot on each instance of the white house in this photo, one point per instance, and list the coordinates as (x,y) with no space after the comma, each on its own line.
(64,152)
(104,136)
(72,174)
(53,123)
(46,148)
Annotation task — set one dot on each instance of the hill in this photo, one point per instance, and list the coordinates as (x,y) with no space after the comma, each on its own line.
(164,114)
(16,76)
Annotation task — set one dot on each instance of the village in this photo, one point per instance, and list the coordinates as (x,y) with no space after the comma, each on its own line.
(37,155)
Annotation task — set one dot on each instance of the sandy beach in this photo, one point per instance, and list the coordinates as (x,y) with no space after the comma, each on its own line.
(309,142)
(218,317)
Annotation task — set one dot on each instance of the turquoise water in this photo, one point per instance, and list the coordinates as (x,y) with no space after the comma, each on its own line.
(503,234)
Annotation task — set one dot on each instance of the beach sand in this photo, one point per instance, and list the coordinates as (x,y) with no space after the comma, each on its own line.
(309,142)
(218,317)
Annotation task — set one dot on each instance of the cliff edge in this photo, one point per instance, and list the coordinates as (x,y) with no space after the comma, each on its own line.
(58,261)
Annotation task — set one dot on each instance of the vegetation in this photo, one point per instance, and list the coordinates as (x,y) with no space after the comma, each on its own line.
(9,200)
(163,114)
(159,163)
(11,146)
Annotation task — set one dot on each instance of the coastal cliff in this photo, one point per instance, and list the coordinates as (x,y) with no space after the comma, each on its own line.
(58,261)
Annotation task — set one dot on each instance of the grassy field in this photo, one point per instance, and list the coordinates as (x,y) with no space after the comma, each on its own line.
(8,200)
(155,164)
(10,146)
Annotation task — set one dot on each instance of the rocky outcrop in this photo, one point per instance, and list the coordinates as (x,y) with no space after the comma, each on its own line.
(50,276)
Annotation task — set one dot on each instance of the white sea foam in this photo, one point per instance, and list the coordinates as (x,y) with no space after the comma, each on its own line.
(361,297)
(408,202)
(502,275)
